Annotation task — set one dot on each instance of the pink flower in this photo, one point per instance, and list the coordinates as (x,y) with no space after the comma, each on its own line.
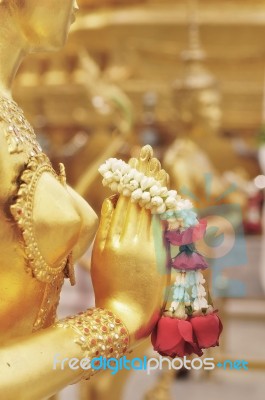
(207,329)
(190,235)
(174,337)
(189,261)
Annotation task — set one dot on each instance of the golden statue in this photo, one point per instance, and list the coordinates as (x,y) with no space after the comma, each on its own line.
(199,152)
(46,226)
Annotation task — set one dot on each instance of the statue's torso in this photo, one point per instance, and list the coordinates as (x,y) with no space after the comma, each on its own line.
(39,227)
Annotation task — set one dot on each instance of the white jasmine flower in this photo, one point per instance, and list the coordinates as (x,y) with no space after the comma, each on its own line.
(132,185)
(128,177)
(174,304)
(172,193)
(163,191)
(196,305)
(103,169)
(146,197)
(155,190)
(138,176)
(161,209)
(137,194)
(203,302)
(201,291)
(200,303)
(156,201)
(117,175)
(184,204)
(147,182)
(105,182)
(118,165)
(114,186)
(108,176)
(171,203)
(178,278)
(199,278)
(180,312)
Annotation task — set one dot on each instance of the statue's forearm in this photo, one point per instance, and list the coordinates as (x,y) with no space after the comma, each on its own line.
(37,366)
(26,365)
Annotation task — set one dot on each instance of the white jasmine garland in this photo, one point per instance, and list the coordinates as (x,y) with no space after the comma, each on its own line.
(146,191)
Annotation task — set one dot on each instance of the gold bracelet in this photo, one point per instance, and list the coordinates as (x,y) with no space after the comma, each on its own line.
(99,333)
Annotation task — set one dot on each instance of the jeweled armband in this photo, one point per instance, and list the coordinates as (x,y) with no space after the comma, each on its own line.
(99,333)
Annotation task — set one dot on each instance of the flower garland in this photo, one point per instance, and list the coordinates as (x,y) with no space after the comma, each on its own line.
(147,192)
(191,323)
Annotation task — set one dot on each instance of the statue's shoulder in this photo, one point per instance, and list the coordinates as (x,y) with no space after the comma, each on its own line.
(18,132)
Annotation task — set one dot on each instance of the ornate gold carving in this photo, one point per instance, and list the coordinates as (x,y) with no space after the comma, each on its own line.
(19,134)
(99,333)
(22,212)
(49,304)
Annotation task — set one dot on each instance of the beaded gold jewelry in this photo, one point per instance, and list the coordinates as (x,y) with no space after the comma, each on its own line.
(19,133)
(99,333)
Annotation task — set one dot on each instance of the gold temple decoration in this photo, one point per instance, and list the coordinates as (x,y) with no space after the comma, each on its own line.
(99,333)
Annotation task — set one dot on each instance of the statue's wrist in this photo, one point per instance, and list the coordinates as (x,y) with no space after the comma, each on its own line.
(98,333)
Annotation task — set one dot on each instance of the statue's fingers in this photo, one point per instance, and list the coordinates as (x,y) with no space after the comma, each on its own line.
(144,226)
(146,155)
(154,167)
(118,218)
(134,163)
(163,178)
(105,220)
(130,222)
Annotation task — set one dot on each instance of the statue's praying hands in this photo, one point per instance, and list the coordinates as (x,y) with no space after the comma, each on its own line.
(130,257)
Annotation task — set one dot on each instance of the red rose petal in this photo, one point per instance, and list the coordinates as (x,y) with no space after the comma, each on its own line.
(185,329)
(167,333)
(207,330)
(174,337)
